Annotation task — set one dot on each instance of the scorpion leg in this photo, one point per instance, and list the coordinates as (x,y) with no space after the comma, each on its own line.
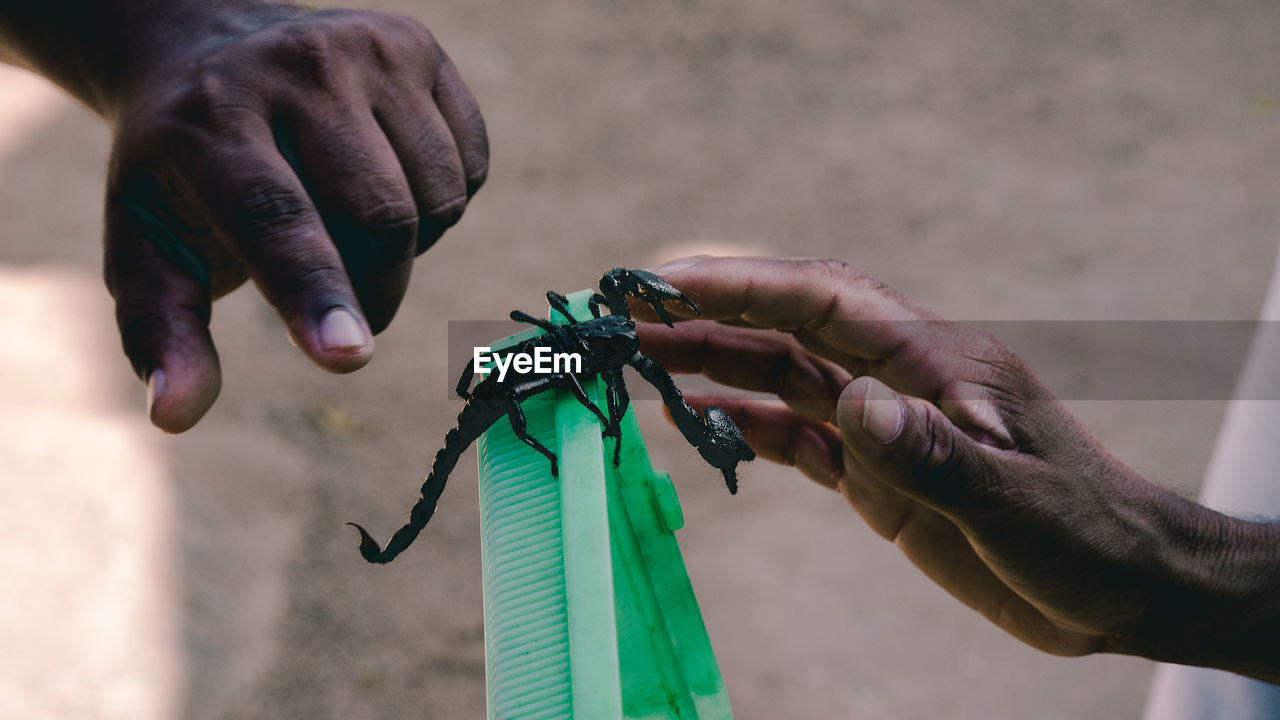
(621,398)
(524,317)
(618,400)
(569,381)
(560,304)
(595,301)
(515,415)
(717,438)
(643,285)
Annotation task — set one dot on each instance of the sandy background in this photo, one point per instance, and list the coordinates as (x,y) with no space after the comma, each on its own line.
(997,160)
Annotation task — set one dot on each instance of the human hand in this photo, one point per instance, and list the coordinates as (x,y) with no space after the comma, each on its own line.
(948,446)
(314,152)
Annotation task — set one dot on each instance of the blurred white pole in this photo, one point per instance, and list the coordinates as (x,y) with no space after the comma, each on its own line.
(89,601)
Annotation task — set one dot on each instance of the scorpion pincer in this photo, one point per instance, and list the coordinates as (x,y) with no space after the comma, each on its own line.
(606,343)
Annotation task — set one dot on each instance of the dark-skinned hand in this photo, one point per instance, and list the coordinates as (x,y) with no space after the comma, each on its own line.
(947,445)
(312,152)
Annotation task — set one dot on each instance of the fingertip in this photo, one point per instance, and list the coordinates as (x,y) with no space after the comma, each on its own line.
(181,391)
(674,266)
(927,457)
(172,353)
(869,410)
(340,342)
(342,332)
(156,387)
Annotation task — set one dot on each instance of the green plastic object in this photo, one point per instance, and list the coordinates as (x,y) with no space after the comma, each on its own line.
(589,612)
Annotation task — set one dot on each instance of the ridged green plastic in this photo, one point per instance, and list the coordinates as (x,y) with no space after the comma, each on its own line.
(588,608)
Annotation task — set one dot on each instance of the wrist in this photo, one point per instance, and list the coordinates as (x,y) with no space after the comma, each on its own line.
(105,52)
(1213,595)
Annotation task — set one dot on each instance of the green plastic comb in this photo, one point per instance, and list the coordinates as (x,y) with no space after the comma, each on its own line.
(589,612)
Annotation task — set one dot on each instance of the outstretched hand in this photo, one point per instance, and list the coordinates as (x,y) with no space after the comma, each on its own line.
(314,152)
(948,446)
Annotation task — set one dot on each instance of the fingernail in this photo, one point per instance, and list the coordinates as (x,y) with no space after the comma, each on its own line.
(340,329)
(678,264)
(155,388)
(882,416)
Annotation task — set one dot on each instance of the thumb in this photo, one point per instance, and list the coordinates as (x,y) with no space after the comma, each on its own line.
(908,444)
(163,316)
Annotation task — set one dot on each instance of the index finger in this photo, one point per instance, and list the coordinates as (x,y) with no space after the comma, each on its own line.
(819,301)
(844,315)
(264,216)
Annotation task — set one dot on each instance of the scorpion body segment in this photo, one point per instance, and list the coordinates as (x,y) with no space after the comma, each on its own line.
(605,343)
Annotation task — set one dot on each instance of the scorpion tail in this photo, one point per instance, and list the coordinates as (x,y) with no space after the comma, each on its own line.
(455,442)
(404,537)
(369,548)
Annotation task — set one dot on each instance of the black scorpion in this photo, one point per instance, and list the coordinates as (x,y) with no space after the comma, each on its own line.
(605,343)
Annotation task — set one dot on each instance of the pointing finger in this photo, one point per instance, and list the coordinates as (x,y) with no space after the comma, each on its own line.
(263,215)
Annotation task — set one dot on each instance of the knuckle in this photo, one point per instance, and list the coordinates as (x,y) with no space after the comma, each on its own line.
(447,214)
(210,99)
(383,50)
(367,31)
(302,277)
(987,346)
(306,52)
(270,211)
(387,39)
(184,127)
(388,215)
(417,33)
(841,271)
(436,221)
(994,363)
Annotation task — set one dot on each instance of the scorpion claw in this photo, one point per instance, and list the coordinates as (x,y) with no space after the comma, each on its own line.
(724,446)
(662,312)
(369,548)
(731,480)
(650,288)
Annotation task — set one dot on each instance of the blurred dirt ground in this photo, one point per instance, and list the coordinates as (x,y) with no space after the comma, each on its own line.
(996,159)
